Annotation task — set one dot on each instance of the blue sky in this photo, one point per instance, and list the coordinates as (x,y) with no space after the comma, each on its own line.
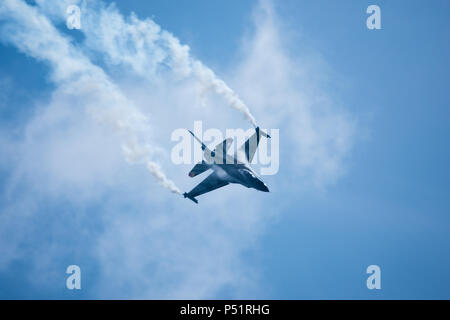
(364,123)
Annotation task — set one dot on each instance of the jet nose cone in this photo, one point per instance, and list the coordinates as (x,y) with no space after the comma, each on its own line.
(263,188)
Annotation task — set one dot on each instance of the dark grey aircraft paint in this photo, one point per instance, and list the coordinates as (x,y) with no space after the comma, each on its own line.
(227,169)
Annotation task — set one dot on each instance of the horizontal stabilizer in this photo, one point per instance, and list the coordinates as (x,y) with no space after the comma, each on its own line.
(199,141)
(208,154)
(198,169)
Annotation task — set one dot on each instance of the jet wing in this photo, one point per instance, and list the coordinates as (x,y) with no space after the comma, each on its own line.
(212,182)
(224,145)
(220,152)
(199,168)
(248,149)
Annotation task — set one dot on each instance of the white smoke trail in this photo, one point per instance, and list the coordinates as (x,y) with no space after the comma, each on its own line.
(156,171)
(210,81)
(145,47)
(78,78)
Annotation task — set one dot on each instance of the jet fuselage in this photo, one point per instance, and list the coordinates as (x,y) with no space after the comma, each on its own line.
(241,174)
(226,168)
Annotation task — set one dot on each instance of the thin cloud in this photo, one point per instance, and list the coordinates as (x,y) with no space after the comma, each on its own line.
(280,83)
(71,180)
(80,80)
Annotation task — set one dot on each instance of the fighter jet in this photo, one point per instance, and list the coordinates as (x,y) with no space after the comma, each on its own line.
(226,168)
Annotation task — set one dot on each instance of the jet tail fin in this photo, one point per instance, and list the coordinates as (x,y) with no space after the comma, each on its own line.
(186,195)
